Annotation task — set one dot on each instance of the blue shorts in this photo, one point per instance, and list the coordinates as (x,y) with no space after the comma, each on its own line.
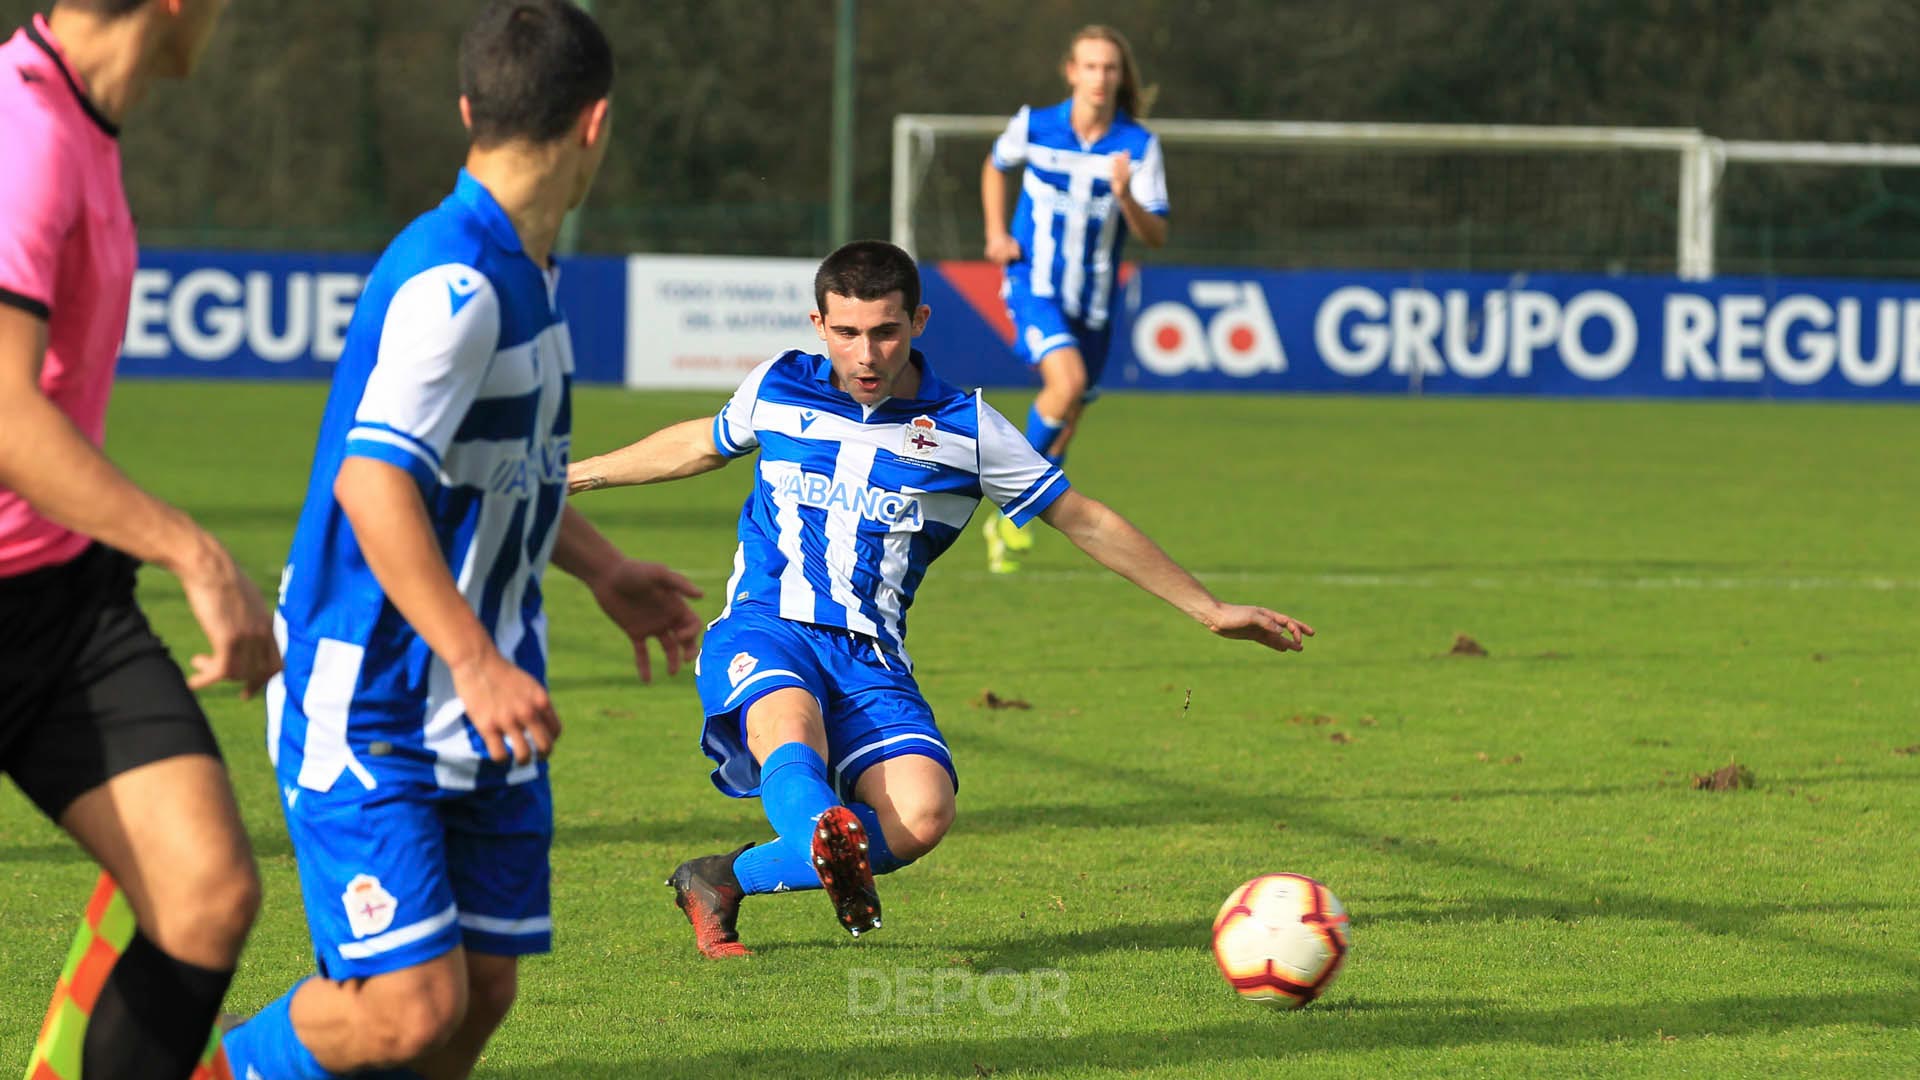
(1040,327)
(402,874)
(872,706)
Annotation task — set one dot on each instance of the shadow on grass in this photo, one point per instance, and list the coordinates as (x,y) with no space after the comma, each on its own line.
(1045,1043)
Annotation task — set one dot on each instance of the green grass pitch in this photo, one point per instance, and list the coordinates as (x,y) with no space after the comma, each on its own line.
(1536,888)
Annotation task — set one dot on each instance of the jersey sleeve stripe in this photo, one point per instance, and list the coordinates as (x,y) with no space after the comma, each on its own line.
(720,440)
(1037,497)
(381,446)
(373,429)
(37,308)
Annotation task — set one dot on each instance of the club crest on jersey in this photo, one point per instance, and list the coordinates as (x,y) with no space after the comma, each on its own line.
(742,666)
(370,908)
(918,438)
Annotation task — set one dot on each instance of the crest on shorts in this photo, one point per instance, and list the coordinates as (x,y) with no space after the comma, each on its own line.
(370,908)
(918,439)
(742,666)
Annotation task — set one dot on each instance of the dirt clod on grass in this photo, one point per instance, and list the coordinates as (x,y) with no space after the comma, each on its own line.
(1729,777)
(1908,751)
(990,700)
(1341,737)
(1466,646)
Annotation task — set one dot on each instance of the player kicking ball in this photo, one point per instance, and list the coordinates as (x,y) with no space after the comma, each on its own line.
(870,467)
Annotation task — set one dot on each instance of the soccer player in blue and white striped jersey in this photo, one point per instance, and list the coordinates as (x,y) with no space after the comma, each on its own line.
(869,468)
(412,724)
(1092,175)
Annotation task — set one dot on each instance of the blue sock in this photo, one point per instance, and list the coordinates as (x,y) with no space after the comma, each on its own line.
(879,855)
(1041,432)
(769,868)
(267,1044)
(793,791)
(773,867)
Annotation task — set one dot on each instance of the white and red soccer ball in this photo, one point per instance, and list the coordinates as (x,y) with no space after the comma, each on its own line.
(1280,939)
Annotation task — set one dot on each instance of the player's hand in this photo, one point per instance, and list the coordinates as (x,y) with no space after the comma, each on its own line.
(508,707)
(1003,249)
(648,600)
(1244,622)
(232,614)
(1122,172)
(583,476)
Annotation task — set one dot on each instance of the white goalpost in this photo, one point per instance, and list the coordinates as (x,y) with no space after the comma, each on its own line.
(1515,197)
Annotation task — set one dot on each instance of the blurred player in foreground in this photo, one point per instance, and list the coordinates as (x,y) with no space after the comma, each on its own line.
(97,724)
(411,729)
(1093,175)
(869,469)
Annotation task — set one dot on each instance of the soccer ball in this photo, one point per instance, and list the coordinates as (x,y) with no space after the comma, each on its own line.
(1280,939)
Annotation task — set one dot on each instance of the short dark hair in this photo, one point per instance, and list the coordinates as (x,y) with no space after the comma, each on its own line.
(111,9)
(527,68)
(867,270)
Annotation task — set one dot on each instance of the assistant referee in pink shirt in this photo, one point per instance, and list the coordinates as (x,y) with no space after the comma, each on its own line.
(98,725)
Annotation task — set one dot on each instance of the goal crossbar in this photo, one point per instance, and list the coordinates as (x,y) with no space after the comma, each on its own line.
(1701,158)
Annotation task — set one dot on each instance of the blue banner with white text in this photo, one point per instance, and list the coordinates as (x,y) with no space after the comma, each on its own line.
(1553,334)
(281,316)
(225,314)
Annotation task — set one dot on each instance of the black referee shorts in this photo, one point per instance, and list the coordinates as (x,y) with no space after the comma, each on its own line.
(87,691)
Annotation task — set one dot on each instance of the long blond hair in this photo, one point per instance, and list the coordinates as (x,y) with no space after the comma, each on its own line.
(1136,99)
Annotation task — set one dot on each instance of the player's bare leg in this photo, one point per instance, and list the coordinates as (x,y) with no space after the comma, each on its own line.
(169,834)
(492,983)
(1062,396)
(786,715)
(168,838)
(384,1021)
(913,797)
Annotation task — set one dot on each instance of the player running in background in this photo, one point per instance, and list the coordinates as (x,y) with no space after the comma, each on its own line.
(869,469)
(411,728)
(97,724)
(1093,175)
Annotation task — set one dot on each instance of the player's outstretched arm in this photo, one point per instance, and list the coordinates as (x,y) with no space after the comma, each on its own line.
(1116,544)
(685,449)
(507,706)
(64,477)
(646,600)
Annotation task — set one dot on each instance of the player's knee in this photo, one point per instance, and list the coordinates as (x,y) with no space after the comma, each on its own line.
(1068,382)
(411,1015)
(202,913)
(922,825)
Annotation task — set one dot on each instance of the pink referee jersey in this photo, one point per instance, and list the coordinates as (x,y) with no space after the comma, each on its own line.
(66,255)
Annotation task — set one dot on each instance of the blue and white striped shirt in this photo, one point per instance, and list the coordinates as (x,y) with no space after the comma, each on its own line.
(457,368)
(1070,231)
(851,504)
